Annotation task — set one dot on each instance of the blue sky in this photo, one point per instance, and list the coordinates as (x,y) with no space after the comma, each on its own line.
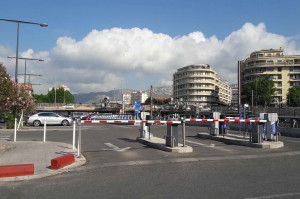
(166,24)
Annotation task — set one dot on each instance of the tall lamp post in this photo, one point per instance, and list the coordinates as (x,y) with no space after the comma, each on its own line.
(17,50)
(24,58)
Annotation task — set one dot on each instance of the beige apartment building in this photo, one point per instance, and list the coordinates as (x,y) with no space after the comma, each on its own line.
(199,85)
(284,70)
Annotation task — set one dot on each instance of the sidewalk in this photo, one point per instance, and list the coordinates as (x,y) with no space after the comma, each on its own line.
(37,153)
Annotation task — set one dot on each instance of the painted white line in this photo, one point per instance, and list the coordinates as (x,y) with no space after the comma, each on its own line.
(276,196)
(200,144)
(198,159)
(115,148)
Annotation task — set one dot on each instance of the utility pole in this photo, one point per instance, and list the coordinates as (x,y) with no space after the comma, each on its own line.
(151,101)
(252,101)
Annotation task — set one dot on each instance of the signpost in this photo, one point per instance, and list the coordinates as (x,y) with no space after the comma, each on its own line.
(137,107)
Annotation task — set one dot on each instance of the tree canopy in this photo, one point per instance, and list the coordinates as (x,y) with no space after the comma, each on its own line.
(62,96)
(293,96)
(263,91)
(13,98)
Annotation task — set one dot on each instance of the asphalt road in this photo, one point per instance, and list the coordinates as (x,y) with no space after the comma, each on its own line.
(120,167)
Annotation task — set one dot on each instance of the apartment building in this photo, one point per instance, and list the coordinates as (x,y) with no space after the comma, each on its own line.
(60,86)
(284,70)
(235,94)
(126,97)
(199,85)
(138,96)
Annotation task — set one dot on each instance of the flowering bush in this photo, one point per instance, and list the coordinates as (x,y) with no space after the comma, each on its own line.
(13,98)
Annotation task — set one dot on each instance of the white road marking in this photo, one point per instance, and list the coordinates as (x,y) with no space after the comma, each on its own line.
(114,148)
(4,137)
(275,196)
(198,159)
(211,146)
(200,144)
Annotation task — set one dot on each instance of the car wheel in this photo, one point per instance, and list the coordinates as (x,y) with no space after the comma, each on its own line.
(36,123)
(65,123)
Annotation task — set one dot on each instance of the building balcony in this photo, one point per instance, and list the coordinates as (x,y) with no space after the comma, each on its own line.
(202,88)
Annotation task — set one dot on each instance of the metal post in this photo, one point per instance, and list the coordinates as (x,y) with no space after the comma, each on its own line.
(17,55)
(79,139)
(244,122)
(25,76)
(44,140)
(15,131)
(183,132)
(74,134)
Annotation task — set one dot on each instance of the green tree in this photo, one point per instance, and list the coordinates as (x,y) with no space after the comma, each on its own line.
(293,97)
(62,96)
(263,91)
(13,98)
(41,98)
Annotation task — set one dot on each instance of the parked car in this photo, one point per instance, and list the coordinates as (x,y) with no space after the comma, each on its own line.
(51,118)
(77,115)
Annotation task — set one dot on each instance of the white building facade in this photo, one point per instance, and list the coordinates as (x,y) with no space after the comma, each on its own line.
(199,85)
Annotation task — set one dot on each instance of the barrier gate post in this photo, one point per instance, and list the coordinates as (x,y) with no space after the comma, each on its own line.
(215,125)
(172,135)
(271,126)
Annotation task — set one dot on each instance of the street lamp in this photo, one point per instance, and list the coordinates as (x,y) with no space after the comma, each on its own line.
(17,50)
(25,65)
(31,75)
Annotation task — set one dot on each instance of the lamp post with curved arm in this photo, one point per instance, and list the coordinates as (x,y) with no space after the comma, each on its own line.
(17,50)
(24,58)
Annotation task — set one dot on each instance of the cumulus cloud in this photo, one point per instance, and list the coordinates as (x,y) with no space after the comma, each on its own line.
(99,61)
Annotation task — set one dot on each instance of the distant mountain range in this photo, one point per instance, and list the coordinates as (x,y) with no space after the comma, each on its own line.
(94,97)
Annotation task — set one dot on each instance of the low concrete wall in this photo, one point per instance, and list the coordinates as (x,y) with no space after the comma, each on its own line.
(236,127)
(289,132)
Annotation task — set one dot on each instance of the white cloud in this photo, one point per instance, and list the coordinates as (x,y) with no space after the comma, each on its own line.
(99,61)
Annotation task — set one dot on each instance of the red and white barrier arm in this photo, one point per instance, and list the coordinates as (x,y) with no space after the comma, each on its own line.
(223,120)
(131,121)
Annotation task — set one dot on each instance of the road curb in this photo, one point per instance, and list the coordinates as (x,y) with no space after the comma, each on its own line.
(16,170)
(160,143)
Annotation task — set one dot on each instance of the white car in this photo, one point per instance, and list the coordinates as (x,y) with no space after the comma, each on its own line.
(51,118)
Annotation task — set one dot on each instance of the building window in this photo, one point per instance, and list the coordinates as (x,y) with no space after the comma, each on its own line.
(270,69)
(279,91)
(260,55)
(279,84)
(279,69)
(279,77)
